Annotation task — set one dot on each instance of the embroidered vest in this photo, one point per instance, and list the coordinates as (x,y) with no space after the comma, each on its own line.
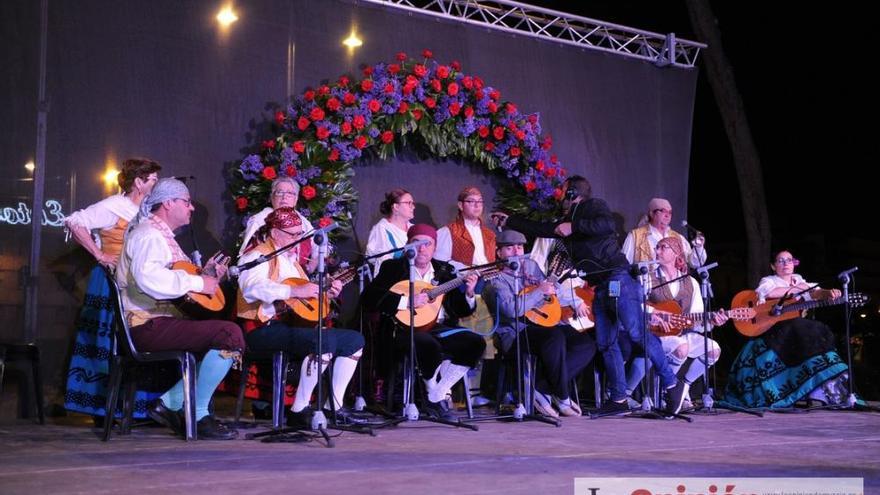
(683,298)
(463,244)
(643,250)
(253,311)
(111,239)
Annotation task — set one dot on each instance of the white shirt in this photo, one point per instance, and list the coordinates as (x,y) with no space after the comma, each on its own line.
(384,236)
(258,219)
(256,285)
(694,257)
(144,276)
(103,215)
(443,252)
(768,283)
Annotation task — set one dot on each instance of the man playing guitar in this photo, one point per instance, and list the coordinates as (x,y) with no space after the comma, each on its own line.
(563,351)
(264,304)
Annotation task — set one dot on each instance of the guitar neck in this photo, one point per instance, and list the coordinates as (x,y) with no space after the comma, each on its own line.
(445,287)
(805,305)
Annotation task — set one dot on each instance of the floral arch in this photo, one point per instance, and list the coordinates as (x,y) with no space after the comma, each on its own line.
(421,104)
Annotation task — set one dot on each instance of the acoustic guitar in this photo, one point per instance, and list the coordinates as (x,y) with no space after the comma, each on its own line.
(766,315)
(426,316)
(197,305)
(306,308)
(570,317)
(679,321)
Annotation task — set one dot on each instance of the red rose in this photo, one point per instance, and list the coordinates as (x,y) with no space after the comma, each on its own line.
(269,173)
(430,103)
(403,108)
(366,85)
(558,193)
(498,133)
(512,126)
(478,94)
(302,123)
(435,85)
(322,133)
(324,221)
(554,159)
(478,83)
(393,69)
(495,94)
(299,146)
(388,89)
(343,81)
(279,117)
(468,111)
(241,203)
(334,155)
(442,72)
(483,131)
(268,144)
(323,90)
(452,89)
(492,107)
(456,65)
(309,95)
(346,128)
(547,144)
(454,108)
(360,142)
(515,151)
(511,108)
(533,119)
(308,192)
(401,56)
(417,114)
(520,135)
(333,104)
(539,166)
(530,186)
(387,137)
(408,88)
(562,172)
(467,82)
(316,114)
(368,71)
(550,172)
(420,70)
(374,105)
(427,53)
(348,99)
(358,122)
(489,146)
(290,170)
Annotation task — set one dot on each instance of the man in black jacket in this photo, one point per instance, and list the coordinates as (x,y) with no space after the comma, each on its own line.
(445,353)
(588,232)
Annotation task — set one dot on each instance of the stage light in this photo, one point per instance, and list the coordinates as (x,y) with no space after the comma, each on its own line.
(29,166)
(109,177)
(352,41)
(226,16)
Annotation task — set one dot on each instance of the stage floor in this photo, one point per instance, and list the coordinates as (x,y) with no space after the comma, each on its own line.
(66,456)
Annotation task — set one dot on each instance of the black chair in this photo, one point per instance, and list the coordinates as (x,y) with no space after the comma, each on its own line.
(126,358)
(280,360)
(29,352)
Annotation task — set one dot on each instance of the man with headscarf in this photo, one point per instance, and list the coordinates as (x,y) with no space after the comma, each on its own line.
(641,242)
(691,343)
(446,353)
(148,285)
(271,327)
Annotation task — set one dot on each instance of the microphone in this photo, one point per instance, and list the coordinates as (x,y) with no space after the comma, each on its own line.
(184,178)
(412,246)
(842,276)
(514,262)
(777,308)
(235,271)
(318,235)
(692,232)
(642,267)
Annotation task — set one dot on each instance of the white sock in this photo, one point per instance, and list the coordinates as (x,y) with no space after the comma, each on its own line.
(308,379)
(343,370)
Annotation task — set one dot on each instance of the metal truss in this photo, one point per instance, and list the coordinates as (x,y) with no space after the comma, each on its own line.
(559,27)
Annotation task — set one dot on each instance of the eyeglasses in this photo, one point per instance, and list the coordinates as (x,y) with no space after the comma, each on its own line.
(406,203)
(473,201)
(662,210)
(188,202)
(281,194)
(785,261)
(663,246)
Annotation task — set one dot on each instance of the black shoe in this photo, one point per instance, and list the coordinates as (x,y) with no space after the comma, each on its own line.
(675,397)
(208,428)
(440,410)
(301,419)
(610,408)
(166,417)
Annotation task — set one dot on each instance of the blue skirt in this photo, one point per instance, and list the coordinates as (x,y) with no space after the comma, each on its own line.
(89,364)
(760,378)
